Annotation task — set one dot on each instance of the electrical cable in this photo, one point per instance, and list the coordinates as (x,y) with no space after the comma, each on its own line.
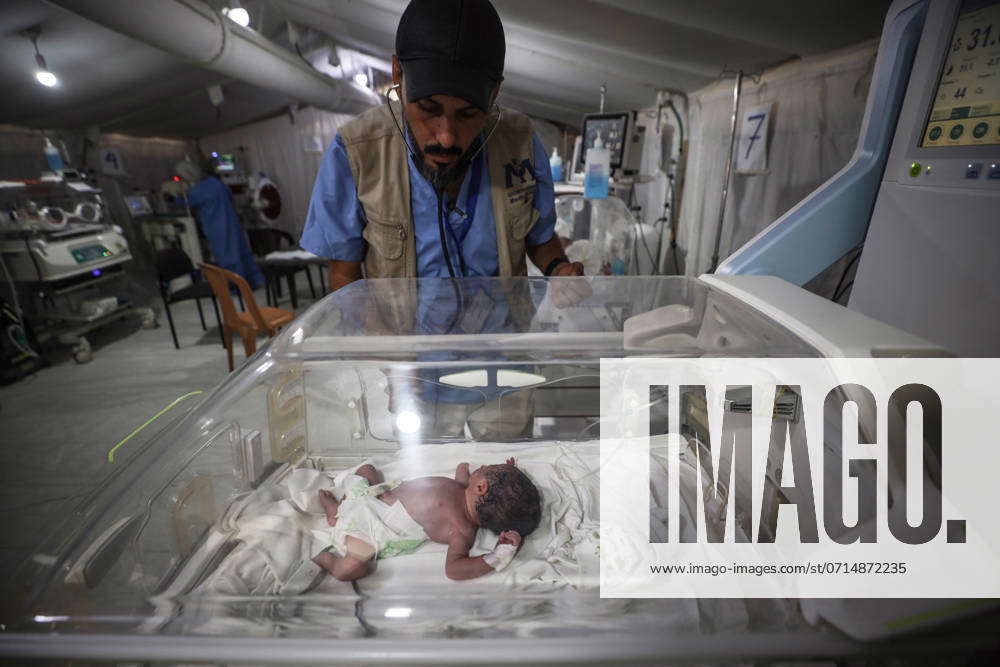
(304,59)
(642,236)
(837,297)
(15,330)
(843,276)
(673,229)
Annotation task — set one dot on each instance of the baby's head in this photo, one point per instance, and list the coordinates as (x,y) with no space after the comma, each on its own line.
(509,500)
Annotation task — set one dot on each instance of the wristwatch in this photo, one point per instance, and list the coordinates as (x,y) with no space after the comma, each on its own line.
(553,264)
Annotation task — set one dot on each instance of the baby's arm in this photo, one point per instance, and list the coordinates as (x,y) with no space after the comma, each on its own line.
(371,474)
(457,564)
(462,474)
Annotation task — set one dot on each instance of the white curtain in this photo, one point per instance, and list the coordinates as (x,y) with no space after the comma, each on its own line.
(818,108)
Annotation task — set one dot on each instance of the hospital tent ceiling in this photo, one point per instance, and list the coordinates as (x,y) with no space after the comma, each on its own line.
(559,52)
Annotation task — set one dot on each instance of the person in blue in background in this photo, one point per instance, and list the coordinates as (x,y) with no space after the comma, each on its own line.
(212,204)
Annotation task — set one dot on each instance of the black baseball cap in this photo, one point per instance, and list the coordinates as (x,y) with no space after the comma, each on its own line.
(451,47)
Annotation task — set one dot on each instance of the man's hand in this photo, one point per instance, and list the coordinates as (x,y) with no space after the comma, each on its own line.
(567,269)
(343,273)
(569,291)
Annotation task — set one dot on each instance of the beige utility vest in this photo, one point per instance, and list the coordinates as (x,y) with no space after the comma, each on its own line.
(379,164)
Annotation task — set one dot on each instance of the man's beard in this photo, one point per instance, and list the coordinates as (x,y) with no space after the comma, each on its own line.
(441,177)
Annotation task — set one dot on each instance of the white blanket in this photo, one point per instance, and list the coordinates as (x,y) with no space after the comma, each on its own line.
(552,582)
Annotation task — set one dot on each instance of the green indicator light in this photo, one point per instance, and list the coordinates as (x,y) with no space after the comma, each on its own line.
(915,169)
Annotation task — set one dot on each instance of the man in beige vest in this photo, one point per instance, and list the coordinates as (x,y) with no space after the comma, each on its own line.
(443,183)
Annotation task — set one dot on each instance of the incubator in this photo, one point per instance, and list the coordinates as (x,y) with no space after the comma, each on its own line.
(198,547)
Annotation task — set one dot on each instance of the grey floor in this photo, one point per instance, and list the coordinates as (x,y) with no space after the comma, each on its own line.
(57,425)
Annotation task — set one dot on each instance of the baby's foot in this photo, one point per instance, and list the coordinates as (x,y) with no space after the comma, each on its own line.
(330,506)
(325,560)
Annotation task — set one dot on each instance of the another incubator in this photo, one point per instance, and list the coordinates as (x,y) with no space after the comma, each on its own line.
(199,545)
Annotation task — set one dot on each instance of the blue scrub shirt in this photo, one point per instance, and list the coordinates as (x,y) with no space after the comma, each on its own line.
(213,206)
(336,218)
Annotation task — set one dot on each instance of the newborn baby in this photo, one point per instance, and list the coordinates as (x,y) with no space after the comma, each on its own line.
(378,519)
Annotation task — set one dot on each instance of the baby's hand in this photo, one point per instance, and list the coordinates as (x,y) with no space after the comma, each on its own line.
(511,462)
(462,473)
(511,537)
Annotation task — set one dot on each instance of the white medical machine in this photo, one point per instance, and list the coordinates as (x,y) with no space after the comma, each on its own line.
(922,191)
(64,257)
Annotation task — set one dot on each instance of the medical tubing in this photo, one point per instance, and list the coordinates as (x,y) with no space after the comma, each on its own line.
(111,452)
(680,127)
(727,178)
(359,612)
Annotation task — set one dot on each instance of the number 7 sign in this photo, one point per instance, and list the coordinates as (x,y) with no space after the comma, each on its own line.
(751,155)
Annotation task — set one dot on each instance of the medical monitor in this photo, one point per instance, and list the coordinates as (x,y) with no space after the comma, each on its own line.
(613,128)
(965,110)
(138,205)
(225,163)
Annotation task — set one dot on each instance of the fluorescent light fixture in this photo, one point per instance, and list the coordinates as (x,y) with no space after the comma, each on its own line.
(46,78)
(237,15)
(39,618)
(361,79)
(408,422)
(398,612)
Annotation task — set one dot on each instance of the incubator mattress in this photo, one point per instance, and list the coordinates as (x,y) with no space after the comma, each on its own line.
(551,586)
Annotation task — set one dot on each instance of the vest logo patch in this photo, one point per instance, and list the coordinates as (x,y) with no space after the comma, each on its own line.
(521,170)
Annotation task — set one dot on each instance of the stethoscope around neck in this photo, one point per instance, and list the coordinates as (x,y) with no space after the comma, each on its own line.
(440,191)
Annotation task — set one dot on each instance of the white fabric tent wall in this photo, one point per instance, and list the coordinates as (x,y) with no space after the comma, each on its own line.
(148,161)
(818,108)
(286,152)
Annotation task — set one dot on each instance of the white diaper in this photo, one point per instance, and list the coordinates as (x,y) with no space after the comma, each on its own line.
(389,529)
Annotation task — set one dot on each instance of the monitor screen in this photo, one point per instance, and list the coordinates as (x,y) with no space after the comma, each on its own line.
(612,128)
(225,163)
(966,107)
(138,205)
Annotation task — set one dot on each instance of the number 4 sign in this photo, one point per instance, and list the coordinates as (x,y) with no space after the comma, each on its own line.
(111,162)
(751,157)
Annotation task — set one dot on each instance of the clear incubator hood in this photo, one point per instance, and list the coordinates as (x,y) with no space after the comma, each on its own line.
(199,542)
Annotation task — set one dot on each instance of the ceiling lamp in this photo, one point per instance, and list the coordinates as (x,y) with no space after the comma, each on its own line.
(43,74)
(237,14)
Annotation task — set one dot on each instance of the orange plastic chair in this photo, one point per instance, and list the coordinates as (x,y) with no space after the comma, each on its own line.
(256,319)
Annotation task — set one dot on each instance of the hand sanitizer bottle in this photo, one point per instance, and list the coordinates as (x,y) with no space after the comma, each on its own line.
(53,157)
(556,164)
(595,182)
